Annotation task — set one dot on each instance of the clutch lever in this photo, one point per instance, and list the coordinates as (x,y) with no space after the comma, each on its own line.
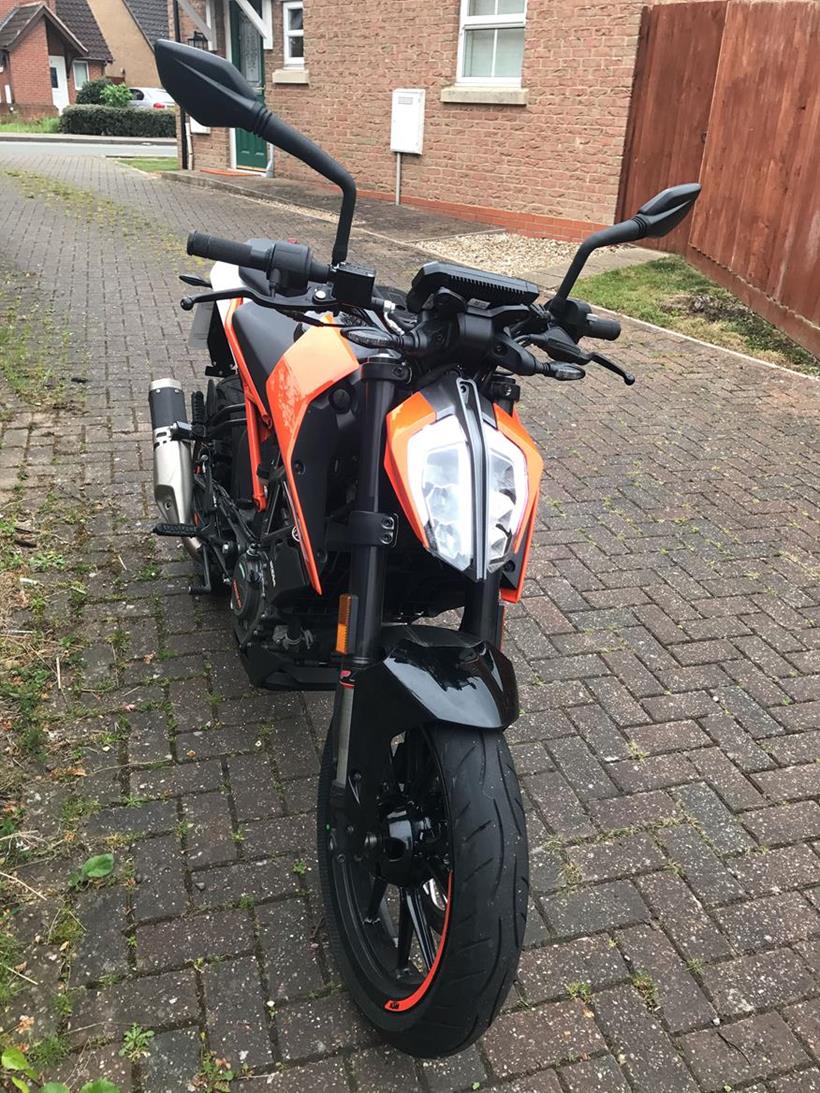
(195,280)
(286,306)
(613,366)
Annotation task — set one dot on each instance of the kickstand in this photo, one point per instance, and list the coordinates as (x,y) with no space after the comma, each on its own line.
(206,586)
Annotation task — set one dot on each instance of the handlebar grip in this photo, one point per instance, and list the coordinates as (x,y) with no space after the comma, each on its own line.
(320,271)
(226,250)
(290,258)
(609,330)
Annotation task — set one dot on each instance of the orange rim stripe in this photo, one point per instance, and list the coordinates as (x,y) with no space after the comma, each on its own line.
(399,1005)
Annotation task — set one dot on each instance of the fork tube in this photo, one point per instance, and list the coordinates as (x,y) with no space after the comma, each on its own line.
(482,611)
(368,563)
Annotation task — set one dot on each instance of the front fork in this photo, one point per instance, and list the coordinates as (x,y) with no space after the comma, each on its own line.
(363,607)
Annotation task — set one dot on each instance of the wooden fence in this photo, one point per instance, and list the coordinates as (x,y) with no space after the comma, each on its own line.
(729,93)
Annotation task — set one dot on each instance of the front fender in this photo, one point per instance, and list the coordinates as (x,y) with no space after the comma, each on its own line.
(430,674)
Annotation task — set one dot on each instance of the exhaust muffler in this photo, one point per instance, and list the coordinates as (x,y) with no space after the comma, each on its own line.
(173,473)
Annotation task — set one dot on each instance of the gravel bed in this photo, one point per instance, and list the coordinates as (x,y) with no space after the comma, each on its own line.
(501,252)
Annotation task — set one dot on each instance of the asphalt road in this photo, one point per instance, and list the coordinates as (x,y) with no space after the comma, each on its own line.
(76,148)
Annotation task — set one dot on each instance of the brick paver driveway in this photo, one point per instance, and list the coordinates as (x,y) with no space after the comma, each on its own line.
(668,651)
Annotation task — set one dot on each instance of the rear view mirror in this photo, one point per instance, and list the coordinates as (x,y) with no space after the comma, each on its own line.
(665,211)
(214,93)
(655,218)
(212,90)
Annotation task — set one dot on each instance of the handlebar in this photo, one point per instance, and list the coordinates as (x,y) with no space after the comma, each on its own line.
(284,257)
(353,285)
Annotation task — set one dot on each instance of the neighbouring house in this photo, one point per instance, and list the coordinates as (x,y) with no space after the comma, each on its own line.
(526,101)
(554,117)
(48,50)
(131,27)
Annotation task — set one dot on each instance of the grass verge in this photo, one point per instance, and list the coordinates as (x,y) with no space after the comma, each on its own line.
(671,294)
(149,165)
(34,125)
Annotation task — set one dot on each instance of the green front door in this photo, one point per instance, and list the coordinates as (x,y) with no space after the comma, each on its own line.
(247,55)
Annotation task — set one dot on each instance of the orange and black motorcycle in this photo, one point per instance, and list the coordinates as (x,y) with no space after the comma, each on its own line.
(356,466)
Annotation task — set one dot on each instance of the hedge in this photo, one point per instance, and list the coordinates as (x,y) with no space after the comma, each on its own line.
(91,92)
(117,121)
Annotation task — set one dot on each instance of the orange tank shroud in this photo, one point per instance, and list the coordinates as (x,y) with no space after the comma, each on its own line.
(320,358)
(412,415)
(256,415)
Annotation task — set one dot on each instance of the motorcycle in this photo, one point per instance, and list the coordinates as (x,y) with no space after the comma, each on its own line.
(357,466)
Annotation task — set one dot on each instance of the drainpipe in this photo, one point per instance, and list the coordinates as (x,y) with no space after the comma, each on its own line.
(183,117)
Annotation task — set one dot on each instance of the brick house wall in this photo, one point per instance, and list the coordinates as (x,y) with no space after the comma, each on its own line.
(27,72)
(550,167)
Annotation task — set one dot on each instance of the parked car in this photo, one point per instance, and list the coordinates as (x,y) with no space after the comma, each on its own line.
(151,98)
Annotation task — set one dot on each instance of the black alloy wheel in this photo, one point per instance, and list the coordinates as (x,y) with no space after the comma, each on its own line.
(426,912)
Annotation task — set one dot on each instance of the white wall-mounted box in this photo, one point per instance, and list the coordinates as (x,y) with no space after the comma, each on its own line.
(407,120)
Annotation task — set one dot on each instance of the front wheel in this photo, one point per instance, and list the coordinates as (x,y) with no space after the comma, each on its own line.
(426,913)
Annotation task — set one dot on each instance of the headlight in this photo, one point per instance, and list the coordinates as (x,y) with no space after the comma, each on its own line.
(507,495)
(466,478)
(441,484)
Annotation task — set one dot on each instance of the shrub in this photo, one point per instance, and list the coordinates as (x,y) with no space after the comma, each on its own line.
(113,121)
(116,94)
(91,93)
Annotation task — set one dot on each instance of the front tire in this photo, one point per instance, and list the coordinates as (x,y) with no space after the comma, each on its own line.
(437,993)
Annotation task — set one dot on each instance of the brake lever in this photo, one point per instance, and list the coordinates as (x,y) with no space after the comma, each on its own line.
(613,366)
(559,346)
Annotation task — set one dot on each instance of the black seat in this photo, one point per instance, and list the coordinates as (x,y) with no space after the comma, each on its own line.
(263,336)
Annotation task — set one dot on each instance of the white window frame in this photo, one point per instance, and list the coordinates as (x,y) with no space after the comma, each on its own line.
(87,79)
(467,22)
(288,60)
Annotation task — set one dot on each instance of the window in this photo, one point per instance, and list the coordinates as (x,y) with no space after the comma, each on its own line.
(80,70)
(491,42)
(55,79)
(293,29)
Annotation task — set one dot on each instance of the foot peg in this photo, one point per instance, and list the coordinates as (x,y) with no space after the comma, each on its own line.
(186,531)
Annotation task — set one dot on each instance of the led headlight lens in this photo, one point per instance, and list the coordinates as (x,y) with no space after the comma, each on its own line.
(441,483)
(508,492)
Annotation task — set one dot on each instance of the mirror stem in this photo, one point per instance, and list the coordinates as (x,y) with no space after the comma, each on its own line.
(345,220)
(625,232)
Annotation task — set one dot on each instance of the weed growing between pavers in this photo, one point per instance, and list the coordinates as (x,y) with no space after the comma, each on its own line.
(90,206)
(35,354)
(44,770)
